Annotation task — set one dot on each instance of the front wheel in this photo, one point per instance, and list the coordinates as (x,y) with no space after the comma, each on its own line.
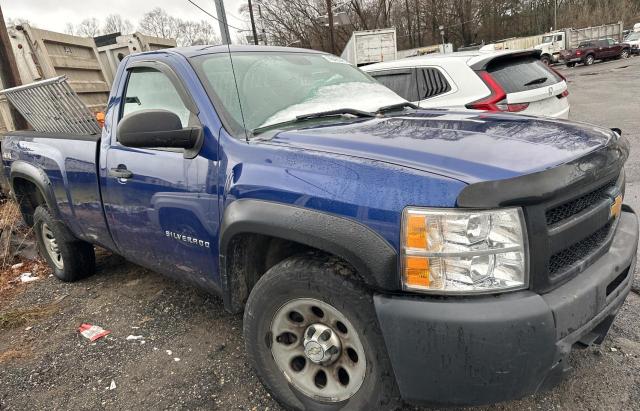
(571,65)
(589,60)
(71,259)
(312,336)
(546,60)
(624,54)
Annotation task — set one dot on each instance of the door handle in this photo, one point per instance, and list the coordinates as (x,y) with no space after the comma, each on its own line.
(120,172)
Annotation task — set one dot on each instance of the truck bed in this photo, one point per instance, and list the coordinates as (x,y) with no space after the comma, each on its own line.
(68,163)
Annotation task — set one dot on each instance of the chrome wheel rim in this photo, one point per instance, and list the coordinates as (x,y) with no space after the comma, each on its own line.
(51,246)
(625,54)
(318,350)
(590,60)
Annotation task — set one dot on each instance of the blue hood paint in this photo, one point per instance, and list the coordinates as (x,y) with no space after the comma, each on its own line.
(469,147)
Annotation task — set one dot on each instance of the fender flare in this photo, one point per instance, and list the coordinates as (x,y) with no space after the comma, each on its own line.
(374,259)
(37,176)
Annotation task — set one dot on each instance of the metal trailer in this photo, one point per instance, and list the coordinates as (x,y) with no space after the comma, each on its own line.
(42,54)
(421,51)
(121,46)
(371,46)
(6,121)
(514,43)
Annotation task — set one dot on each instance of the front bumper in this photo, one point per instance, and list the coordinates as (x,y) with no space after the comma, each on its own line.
(470,351)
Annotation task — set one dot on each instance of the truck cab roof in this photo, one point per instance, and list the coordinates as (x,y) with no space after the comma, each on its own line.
(193,51)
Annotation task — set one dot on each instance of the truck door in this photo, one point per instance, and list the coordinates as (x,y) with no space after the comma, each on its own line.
(155,199)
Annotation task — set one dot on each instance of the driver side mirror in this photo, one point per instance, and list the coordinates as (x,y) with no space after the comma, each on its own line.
(159,129)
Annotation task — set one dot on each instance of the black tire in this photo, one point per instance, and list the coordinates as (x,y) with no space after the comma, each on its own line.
(78,257)
(589,60)
(325,279)
(571,65)
(546,60)
(624,54)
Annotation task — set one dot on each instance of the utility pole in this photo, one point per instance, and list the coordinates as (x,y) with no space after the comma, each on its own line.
(264,33)
(222,20)
(9,71)
(253,24)
(555,15)
(331,33)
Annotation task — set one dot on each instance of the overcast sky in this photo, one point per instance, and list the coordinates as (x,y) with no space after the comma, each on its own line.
(54,14)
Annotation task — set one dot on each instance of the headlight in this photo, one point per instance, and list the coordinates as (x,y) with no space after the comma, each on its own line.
(449,251)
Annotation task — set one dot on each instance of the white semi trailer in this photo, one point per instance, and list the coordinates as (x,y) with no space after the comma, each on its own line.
(371,46)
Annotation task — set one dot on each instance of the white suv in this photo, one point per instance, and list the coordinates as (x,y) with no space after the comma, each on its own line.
(512,81)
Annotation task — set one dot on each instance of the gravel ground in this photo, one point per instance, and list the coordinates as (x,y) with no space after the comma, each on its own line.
(191,353)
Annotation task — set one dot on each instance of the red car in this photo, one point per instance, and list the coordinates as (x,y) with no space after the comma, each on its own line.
(590,51)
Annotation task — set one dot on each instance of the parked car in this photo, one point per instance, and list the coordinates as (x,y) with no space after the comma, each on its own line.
(502,81)
(590,51)
(633,40)
(378,251)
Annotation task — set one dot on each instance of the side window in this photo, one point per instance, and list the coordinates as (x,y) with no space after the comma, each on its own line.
(402,82)
(431,83)
(559,37)
(151,89)
(611,42)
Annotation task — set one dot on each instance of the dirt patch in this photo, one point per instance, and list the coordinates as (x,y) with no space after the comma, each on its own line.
(23,316)
(12,354)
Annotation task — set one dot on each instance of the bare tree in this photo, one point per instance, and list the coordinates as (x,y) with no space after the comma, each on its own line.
(69,28)
(114,23)
(193,33)
(158,23)
(88,27)
(18,21)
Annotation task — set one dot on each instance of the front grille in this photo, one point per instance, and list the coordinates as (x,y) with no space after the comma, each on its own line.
(563,260)
(573,207)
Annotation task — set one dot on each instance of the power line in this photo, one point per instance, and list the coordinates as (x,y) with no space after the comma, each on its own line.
(212,16)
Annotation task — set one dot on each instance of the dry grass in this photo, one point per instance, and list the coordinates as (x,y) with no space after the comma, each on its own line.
(12,354)
(13,231)
(23,316)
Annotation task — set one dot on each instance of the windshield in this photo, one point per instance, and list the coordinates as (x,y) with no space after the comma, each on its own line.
(633,36)
(275,87)
(547,39)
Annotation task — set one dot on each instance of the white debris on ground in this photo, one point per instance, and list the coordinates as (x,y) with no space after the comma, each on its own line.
(134,337)
(27,277)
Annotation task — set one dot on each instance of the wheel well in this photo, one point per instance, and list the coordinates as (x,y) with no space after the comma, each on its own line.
(249,256)
(28,196)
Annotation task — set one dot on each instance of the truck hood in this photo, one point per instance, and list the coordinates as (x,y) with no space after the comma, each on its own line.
(470,147)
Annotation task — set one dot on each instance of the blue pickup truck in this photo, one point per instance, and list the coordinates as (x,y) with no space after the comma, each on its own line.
(380,253)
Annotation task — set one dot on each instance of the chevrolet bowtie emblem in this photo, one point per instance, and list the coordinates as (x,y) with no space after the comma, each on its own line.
(616,207)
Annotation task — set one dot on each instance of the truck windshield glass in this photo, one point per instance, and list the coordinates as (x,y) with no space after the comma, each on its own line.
(276,87)
(547,39)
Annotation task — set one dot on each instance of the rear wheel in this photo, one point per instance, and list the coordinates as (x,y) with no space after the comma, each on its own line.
(313,338)
(71,259)
(589,60)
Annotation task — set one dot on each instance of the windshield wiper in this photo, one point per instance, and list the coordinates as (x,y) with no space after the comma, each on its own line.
(311,116)
(393,107)
(334,113)
(536,81)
